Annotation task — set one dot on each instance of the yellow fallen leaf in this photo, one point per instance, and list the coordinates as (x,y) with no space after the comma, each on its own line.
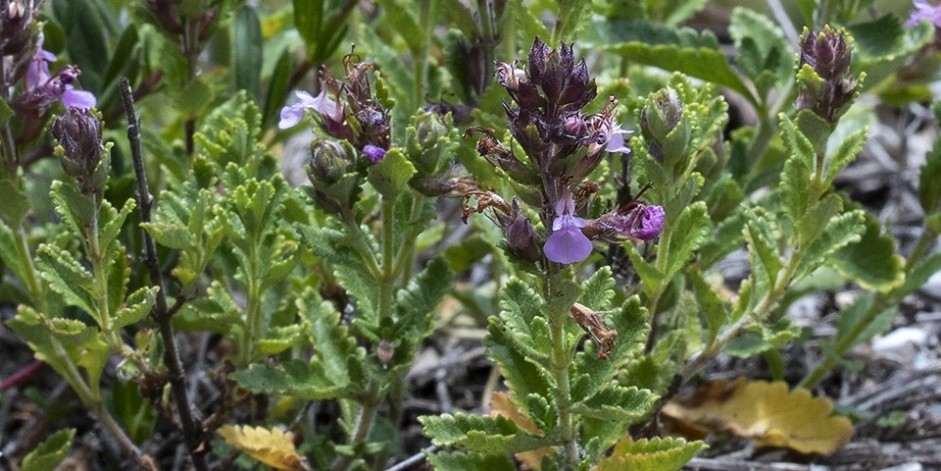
(273,447)
(502,404)
(767,413)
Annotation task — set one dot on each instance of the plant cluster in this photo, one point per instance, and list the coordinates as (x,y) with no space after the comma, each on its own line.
(165,269)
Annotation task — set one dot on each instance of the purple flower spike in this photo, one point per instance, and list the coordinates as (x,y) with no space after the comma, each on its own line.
(292,114)
(925,11)
(567,244)
(374,153)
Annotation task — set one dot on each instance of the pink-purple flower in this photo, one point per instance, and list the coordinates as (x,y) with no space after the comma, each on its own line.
(925,10)
(373,153)
(58,87)
(567,244)
(323,105)
(645,222)
(616,141)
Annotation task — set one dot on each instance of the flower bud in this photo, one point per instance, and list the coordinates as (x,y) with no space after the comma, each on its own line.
(78,132)
(825,84)
(666,132)
(328,162)
(521,237)
(373,153)
(644,222)
(427,139)
(573,128)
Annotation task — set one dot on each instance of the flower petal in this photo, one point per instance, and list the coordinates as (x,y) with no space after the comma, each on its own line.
(290,116)
(73,98)
(567,246)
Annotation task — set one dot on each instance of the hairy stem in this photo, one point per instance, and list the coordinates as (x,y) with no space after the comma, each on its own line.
(561,357)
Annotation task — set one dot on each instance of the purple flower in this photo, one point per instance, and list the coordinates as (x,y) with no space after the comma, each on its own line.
(292,114)
(644,222)
(59,87)
(616,141)
(567,244)
(374,153)
(925,11)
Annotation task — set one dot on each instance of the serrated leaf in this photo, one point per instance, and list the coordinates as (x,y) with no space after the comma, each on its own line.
(762,250)
(846,152)
(137,306)
(522,374)
(618,404)
(76,209)
(9,252)
(714,312)
(278,340)
(593,373)
(481,434)
(655,454)
(294,377)
(457,461)
(503,405)
(767,413)
(690,231)
(871,262)
(334,345)
(48,454)
(683,50)
(391,174)
(649,274)
(841,231)
(761,45)
(111,222)
(598,290)
(273,447)
(527,23)
(66,277)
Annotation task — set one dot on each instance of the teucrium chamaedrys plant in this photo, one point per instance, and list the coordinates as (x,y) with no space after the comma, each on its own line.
(574,404)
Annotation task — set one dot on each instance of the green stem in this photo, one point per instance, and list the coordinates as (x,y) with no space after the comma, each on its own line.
(254,325)
(767,304)
(561,358)
(881,302)
(33,287)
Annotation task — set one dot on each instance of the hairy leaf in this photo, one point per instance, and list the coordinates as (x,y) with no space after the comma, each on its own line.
(655,454)
(481,434)
(48,454)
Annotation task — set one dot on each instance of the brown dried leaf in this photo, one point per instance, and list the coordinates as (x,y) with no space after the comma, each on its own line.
(502,404)
(273,447)
(767,413)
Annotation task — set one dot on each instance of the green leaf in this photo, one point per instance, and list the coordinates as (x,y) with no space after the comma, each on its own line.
(124,62)
(859,322)
(929,178)
(527,24)
(871,262)
(847,151)
(278,87)
(649,274)
(714,312)
(111,222)
(618,404)
(842,230)
(76,209)
(308,17)
(66,277)
(481,434)
(521,372)
(457,461)
(294,377)
(683,50)
(138,305)
(919,274)
(760,236)
(334,345)
(48,454)
(248,51)
(391,174)
(278,340)
(762,47)
(15,204)
(655,454)
(591,373)
(417,304)
(598,290)
(689,233)
(85,40)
